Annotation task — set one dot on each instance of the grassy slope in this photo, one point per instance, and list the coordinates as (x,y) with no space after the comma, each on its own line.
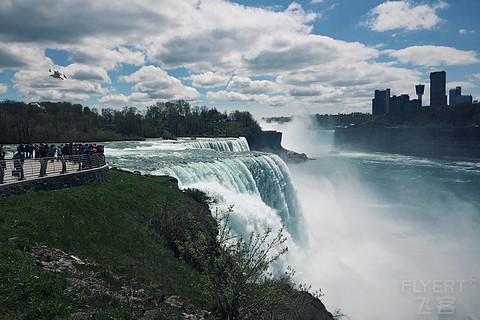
(107,223)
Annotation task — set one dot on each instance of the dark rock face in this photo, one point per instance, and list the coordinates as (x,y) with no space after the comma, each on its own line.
(55,182)
(271,141)
(462,143)
(267,141)
(316,307)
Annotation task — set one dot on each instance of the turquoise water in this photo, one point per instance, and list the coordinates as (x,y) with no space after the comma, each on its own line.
(391,236)
(384,236)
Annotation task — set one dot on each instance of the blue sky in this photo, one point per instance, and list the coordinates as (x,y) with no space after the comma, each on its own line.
(269,57)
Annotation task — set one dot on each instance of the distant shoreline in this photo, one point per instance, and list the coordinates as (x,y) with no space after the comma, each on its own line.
(461,143)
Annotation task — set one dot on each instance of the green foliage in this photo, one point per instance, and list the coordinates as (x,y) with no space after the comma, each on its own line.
(63,121)
(466,115)
(236,273)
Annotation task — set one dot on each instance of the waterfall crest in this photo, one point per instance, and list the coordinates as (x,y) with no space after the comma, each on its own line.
(258,185)
(228,145)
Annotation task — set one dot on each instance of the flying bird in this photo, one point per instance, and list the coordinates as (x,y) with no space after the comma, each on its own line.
(37,105)
(57,74)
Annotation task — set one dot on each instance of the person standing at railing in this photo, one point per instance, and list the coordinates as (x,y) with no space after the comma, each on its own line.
(37,151)
(18,159)
(43,150)
(29,151)
(86,157)
(59,152)
(52,151)
(67,149)
(3,151)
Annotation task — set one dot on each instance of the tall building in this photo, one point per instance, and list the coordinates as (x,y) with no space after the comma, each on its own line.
(380,104)
(457,98)
(397,104)
(420,90)
(438,97)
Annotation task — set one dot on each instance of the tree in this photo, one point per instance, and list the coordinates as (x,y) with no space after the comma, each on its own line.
(235,269)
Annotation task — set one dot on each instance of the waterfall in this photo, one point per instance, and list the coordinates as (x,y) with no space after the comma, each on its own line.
(227,144)
(258,185)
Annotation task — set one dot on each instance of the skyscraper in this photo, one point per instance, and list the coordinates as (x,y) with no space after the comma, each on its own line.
(380,104)
(438,97)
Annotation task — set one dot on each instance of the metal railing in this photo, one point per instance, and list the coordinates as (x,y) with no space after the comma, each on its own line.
(13,170)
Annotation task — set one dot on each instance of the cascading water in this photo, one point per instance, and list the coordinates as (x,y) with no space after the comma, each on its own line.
(228,145)
(252,184)
(257,185)
(387,236)
(390,236)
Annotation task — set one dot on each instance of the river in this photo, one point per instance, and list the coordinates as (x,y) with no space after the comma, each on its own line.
(383,236)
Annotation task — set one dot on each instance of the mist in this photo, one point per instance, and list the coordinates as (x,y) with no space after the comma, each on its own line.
(389,236)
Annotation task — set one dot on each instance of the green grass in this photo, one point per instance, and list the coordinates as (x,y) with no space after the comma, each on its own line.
(27,291)
(108,223)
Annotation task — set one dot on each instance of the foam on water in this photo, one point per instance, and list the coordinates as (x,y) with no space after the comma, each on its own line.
(372,229)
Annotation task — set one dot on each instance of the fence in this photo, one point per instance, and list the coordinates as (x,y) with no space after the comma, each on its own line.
(13,170)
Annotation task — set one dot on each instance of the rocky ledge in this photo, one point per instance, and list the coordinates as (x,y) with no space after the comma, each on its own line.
(91,280)
(271,141)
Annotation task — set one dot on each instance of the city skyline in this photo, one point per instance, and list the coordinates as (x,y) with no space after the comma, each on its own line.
(383,102)
(271,58)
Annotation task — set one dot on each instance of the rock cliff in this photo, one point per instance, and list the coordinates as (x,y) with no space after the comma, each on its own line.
(271,141)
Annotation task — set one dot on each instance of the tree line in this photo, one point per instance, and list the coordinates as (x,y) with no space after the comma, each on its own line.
(465,115)
(64,121)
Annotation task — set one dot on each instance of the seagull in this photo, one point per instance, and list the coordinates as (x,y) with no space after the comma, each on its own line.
(57,74)
(37,105)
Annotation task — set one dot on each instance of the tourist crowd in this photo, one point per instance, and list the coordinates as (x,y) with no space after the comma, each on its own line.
(68,149)
(43,150)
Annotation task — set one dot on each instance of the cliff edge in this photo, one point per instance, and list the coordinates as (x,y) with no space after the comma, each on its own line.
(271,141)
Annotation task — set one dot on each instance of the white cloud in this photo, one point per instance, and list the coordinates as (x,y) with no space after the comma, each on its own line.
(115,99)
(464,31)
(264,99)
(15,56)
(109,58)
(218,34)
(463,84)
(3,88)
(154,83)
(392,15)
(209,79)
(434,56)
(89,73)
(477,75)
(82,82)
(305,51)
(219,44)
(246,85)
(232,96)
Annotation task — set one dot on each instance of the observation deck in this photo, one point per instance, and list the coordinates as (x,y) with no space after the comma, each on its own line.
(18,177)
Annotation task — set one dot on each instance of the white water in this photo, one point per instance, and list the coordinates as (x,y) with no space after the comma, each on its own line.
(390,237)
(257,185)
(380,234)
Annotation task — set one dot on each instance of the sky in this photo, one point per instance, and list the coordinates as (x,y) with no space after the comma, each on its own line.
(272,58)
